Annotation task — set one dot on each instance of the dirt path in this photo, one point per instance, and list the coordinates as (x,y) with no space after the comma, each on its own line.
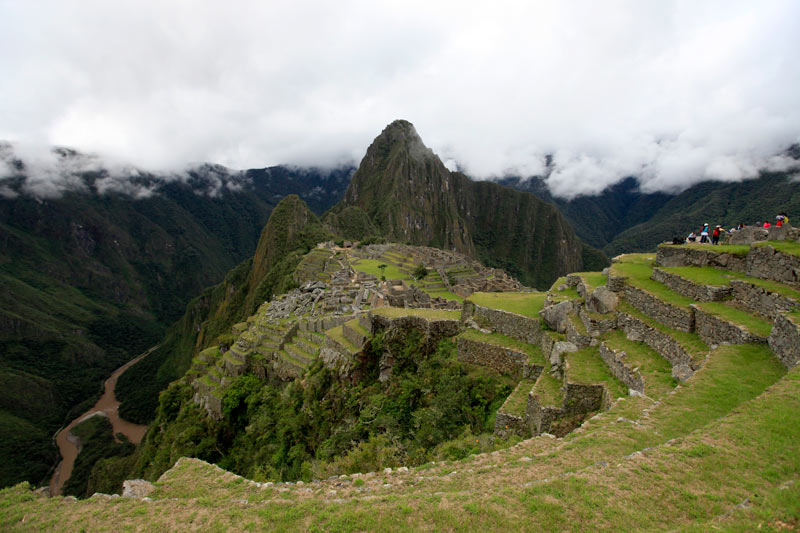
(107,405)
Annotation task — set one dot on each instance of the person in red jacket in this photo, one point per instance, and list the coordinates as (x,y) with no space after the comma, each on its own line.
(715,234)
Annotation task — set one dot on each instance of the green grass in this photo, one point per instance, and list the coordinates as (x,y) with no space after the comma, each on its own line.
(522,303)
(720,278)
(586,366)
(592,279)
(655,370)
(560,281)
(517,401)
(337,335)
(356,326)
(431,314)
(786,247)
(638,274)
(548,390)
(690,342)
(370,266)
(441,293)
(578,324)
(753,324)
(734,249)
(535,355)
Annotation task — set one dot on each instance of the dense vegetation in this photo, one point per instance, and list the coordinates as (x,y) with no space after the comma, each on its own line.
(97,442)
(291,232)
(432,407)
(90,280)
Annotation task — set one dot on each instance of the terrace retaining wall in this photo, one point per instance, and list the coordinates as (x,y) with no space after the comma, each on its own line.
(785,341)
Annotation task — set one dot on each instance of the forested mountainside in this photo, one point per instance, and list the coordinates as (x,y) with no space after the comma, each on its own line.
(91,279)
(410,196)
(623,219)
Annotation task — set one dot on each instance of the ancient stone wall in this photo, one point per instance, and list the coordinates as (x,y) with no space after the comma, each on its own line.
(583,398)
(785,341)
(715,331)
(761,301)
(671,256)
(670,315)
(505,360)
(666,346)
(616,283)
(695,291)
(506,424)
(519,327)
(620,369)
(767,263)
(540,417)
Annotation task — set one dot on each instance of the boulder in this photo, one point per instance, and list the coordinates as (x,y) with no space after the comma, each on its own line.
(557,316)
(137,488)
(748,235)
(602,300)
(559,349)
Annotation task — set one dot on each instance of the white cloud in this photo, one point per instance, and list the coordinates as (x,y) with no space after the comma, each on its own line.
(671,91)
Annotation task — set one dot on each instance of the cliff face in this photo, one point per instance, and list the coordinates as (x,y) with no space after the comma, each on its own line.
(411,196)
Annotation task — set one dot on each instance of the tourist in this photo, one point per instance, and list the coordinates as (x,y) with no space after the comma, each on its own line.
(692,237)
(704,234)
(767,225)
(715,235)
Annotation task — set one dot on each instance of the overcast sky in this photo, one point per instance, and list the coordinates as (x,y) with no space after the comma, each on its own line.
(672,92)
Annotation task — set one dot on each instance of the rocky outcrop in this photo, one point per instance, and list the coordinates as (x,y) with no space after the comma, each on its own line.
(602,300)
(137,488)
(557,316)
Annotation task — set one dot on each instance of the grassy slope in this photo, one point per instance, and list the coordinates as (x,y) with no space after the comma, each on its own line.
(718,440)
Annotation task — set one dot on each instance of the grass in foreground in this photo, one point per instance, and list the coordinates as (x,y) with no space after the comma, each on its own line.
(522,303)
(731,444)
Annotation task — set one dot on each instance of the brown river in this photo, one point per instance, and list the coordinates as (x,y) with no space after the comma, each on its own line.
(106,406)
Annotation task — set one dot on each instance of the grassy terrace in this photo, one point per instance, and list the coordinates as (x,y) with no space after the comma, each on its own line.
(549,389)
(370,266)
(535,355)
(786,247)
(638,273)
(733,249)
(356,326)
(690,342)
(517,401)
(337,335)
(586,366)
(720,278)
(431,314)
(656,371)
(522,303)
(731,436)
(753,324)
(592,279)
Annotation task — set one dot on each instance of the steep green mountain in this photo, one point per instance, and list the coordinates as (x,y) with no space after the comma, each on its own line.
(292,230)
(90,279)
(410,196)
(598,219)
(624,219)
(726,204)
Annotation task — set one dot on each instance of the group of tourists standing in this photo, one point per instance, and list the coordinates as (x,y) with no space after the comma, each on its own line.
(706,234)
